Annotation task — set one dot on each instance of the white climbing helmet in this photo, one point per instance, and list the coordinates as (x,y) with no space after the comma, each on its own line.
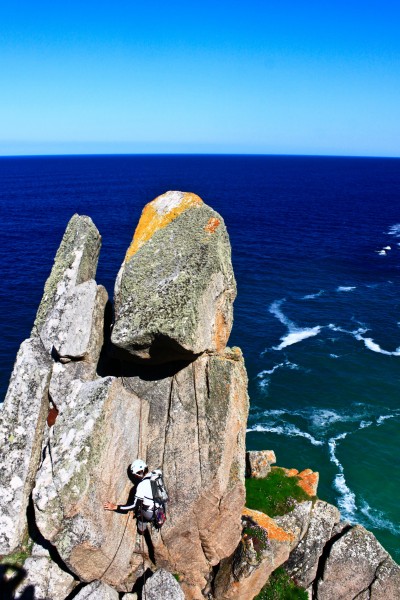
(138,465)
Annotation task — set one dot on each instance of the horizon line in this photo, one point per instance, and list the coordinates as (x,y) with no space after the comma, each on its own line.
(250,154)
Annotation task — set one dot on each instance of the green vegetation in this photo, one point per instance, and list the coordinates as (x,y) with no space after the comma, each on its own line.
(281,587)
(18,557)
(276,494)
(259,537)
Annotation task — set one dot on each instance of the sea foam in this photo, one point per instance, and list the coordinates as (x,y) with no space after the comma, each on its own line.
(296,334)
(376,518)
(286,429)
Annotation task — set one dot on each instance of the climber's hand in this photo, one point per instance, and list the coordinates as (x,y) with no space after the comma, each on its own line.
(110,506)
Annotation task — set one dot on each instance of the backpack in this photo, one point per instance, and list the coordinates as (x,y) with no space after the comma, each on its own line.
(160,497)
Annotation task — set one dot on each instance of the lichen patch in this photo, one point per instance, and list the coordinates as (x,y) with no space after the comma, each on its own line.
(158,214)
(212,225)
(274,531)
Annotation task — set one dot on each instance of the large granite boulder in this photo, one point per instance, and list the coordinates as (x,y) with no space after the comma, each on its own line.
(45,577)
(304,559)
(264,546)
(258,463)
(75,263)
(22,421)
(94,439)
(174,291)
(97,591)
(162,585)
(196,434)
(358,564)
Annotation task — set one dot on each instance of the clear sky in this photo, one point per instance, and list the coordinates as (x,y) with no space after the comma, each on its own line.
(255,76)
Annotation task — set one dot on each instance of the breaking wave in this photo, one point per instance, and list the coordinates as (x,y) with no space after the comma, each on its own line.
(312,296)
(286,429)
(394,230)
(345,288)
(296,334)
(376,518)
(368,341)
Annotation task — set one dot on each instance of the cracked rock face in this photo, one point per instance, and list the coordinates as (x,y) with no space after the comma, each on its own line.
(22,421)
(264,546)
(175,289)
(354,566)
(92,442)
(304,559)
(196,435)
(75,263)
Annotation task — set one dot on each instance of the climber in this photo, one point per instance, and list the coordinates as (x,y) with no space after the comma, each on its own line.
(143,503)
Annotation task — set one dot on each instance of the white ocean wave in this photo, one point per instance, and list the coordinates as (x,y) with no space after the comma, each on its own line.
(347,500)
(286,429)
(296,334)
(334,355)
(371,345)
(376,518)
(394,230)
(380,420)
(312,296)
(345,288)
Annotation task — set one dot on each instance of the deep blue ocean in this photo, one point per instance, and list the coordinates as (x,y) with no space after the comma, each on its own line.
(316,253)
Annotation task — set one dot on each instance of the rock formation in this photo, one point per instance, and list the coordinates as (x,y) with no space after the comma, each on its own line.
(174,291)
(88,396)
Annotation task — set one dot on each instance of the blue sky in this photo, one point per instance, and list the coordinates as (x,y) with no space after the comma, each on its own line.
(288,77)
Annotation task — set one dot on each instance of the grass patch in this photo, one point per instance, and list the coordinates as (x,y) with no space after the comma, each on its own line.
(20,555)
(258,536)
(277,494)
(280,586)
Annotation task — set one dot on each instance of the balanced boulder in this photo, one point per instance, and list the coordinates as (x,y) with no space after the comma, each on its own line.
(175,289)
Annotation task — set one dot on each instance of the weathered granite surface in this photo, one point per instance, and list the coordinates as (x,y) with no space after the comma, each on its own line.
(358,564)
(97,590)
(75,263)
(196,434)
(264,546)
(22,421)
(162,585)
(258,463)
(48,581)
(95,436)
(304,559)
(174,292)
(174,297)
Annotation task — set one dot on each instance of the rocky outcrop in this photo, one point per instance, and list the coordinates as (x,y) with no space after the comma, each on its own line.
(358,566)
(69,429)
(263,548)
(196,434)
(174,292)
(97,591)
(162,585)
(258,463)
(45,577)
(304,559)
(22,421)
(75,263)
(95,436)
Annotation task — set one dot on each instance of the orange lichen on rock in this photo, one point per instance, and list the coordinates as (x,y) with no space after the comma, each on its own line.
(212,225)
(309,481)
(274,531)
(158,214)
